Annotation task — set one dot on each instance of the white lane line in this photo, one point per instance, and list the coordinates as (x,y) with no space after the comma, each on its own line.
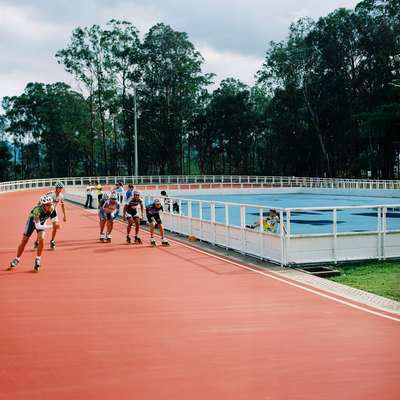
(269,275)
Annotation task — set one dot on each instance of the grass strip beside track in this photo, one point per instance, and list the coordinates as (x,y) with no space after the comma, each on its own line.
(381,278)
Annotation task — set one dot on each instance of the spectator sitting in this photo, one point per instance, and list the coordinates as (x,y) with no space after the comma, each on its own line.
(270,224)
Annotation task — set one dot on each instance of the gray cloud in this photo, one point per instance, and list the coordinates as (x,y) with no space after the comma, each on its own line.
(232,35)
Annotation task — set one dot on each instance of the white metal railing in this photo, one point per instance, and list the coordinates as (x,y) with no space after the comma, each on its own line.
(202,219)
(215,221)
(262,181)
(224,224)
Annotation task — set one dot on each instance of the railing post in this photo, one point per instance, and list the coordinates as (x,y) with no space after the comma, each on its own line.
(212,212)
(282,236)
(334,227)
(261,222)
(190,208)
(379,228)
(384,229)
(190,216)
(214,225)
(242,226)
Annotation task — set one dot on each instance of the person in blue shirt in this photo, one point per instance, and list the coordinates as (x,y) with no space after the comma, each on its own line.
(153,216)
(129,193)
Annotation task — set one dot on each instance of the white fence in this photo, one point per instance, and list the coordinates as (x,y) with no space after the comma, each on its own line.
(224,224)
(212,221)
(223,180)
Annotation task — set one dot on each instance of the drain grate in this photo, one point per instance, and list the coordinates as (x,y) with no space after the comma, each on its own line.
(322,271)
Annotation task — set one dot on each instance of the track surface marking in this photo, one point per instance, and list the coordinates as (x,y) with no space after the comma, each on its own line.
(116,321)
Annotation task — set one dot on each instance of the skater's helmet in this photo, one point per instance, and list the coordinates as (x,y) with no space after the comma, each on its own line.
(113,196)
(59,185)
(157,203)
(46,199)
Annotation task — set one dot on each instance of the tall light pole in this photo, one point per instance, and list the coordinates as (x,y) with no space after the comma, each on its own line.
(136,169)
(136,136)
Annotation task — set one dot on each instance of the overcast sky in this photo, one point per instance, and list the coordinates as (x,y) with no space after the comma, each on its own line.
(232,35)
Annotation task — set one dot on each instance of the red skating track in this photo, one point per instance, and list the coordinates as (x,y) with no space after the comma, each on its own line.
(117,321)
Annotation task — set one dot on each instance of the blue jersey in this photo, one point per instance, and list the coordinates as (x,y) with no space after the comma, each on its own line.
(129,194)
(152,209)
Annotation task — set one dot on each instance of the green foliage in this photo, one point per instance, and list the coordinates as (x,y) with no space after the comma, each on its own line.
(326,103)
(332,86)
(379,278)
(48,124)
(5,161)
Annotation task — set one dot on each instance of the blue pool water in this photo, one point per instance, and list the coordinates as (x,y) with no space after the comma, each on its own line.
(310,221)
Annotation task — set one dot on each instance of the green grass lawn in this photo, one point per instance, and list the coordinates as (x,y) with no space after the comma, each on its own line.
(379,278)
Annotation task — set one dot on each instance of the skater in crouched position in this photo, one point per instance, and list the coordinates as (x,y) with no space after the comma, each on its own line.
(131,214)
(58,198)
(109,209)
(36,221)
(153,215)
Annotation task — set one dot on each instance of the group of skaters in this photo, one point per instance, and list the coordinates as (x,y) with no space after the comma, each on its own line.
(133,212)
(109,204)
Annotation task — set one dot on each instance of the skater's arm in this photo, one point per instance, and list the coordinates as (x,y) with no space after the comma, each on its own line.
(63,210)
(39,225)
(142,208)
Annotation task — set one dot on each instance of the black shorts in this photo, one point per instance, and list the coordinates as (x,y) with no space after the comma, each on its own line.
(131,213)
(30,227)
(155,217)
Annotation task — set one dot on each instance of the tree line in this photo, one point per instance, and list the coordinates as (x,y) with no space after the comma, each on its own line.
(326,102)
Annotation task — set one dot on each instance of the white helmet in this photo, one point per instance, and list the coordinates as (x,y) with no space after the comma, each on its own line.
(46,199)
(113,196)
(59,185)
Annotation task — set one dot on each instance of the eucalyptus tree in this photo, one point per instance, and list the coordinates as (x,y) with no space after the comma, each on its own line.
(122,61)
(84,58)
(49,124)
(172,81)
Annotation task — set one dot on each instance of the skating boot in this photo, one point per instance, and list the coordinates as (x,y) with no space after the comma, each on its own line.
(128,239)
(108,238)
(138,240)
(153,242)
(36,267)
(13,264)
(164,242)
(52,244)
(102,237)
